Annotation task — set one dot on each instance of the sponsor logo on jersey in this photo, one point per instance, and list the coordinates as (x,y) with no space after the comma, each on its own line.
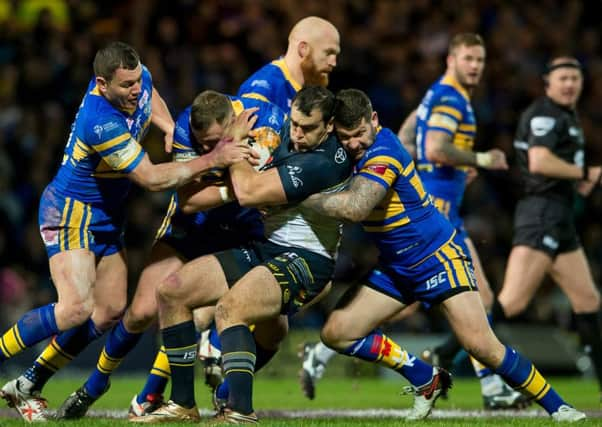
(143,99)
(379,168)
(340,156)
(261,83)
(541,125)
(293,171)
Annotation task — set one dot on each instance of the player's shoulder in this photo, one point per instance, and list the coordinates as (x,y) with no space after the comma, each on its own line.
(543,106)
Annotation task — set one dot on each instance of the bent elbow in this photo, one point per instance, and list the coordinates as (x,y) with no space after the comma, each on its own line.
(434,155)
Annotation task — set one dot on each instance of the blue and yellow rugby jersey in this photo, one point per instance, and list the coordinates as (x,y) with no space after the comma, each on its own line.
(272,83)
(103,147)
(270,119)
(405,226)
(446,108)
(235,224)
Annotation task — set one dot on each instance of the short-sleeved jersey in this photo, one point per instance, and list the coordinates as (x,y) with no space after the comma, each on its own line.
(103,148)
(324,169)
(445,108)
(405,225)
(272,82)
(231,216)
(545,123)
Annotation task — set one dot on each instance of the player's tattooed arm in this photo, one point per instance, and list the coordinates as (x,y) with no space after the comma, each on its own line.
(354,204)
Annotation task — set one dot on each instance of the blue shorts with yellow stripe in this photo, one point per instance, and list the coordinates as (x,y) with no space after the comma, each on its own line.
(67,223)
(445,273)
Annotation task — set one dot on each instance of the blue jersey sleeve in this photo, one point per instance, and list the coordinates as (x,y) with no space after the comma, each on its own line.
(110,137)
(183,139)
(446,113)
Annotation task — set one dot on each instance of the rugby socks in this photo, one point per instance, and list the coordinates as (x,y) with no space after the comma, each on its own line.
(323,354)
(60,352)
(118,344)
(588,326)
(238,361)
(262,358)
(378,348)
(35,326)
(180,347)
(521,374)
(157,378)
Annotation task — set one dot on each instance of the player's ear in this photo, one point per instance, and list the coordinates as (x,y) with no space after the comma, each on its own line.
(101,83)
(303,49)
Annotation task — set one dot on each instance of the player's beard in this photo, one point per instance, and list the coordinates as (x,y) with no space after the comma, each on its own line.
(311,75)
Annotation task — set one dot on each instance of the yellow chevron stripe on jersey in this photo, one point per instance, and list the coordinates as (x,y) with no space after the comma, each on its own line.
(287,74)
(237,106)
(257,96)
(80,150)
(447,110)
(467,128)
(112,142)
(450,81)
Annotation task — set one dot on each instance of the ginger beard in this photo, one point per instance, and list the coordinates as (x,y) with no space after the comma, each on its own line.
(311,74)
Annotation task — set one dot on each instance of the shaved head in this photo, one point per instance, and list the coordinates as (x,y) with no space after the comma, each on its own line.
(312,29)
(313,47)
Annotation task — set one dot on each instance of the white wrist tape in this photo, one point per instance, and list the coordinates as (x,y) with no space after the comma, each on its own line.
(484,160)
(224,193)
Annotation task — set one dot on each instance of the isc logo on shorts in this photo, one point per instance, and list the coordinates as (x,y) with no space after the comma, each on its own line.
(436,280)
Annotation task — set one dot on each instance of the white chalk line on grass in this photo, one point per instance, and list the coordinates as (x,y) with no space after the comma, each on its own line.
(345,413)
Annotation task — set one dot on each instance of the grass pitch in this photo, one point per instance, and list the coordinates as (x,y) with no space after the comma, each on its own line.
(339,402)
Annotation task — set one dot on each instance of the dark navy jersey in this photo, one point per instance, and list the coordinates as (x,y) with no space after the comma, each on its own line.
(324,169)
(545,123)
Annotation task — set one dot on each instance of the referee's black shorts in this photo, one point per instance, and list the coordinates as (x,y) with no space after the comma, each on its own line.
(545,224)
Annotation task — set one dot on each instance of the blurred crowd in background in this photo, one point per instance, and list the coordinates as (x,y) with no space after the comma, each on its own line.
(391,49)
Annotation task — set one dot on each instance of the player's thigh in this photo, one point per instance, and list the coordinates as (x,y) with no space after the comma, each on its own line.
(255,297)
(200,282)
(73,274)
(110,290)
(163,261)
(525,270)
(360,311)
(572,274)
(467,318)
(482,282)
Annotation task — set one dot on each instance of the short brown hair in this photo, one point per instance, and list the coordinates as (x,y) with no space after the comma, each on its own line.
(353,105)
(113,56)
(465,39)
(209,106)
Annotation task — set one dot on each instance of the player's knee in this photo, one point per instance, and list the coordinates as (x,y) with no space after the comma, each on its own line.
(107,317)
(137,321)
(75,312)
(331,332)
(167,291)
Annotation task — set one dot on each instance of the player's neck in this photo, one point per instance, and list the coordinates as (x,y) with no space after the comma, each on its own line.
(294,68)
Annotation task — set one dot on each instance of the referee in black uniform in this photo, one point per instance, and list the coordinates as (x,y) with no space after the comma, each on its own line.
(550,152)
